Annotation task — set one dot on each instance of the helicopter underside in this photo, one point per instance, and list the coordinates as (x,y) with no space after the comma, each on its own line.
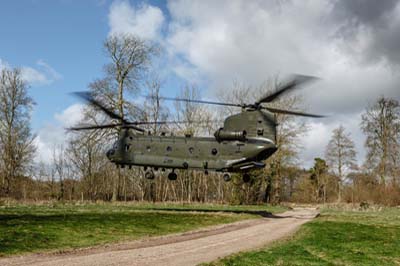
(239,165)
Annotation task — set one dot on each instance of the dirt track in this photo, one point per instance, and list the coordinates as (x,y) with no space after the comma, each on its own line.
(185,249)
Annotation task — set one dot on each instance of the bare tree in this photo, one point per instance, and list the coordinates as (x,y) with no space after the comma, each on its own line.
(61,167)
(130,58)
(188,111)
(16,139)
(154,108)
(340,155)
(381,124)
(86,153)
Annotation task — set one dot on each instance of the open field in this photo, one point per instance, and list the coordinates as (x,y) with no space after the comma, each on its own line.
(32,228)
(183,249)
(335,238)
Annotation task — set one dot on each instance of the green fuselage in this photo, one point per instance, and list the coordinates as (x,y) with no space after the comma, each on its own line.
(191,152)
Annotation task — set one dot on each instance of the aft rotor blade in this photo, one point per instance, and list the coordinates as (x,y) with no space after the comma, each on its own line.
(168,122)
(294,82)
(287,112)
(88,97)
(196,101)
(133,127)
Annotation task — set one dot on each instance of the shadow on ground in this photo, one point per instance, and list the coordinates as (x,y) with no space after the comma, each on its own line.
(264,214)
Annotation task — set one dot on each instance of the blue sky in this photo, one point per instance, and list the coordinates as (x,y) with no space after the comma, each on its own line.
(354,49)
(67,36)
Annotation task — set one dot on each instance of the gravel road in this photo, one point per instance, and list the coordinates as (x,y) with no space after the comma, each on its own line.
(184,249)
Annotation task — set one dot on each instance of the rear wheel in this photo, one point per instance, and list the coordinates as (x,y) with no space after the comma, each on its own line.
(227,177)
(172,176)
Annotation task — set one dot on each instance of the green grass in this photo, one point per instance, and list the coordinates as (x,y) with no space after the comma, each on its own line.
(335,238)
(30,228)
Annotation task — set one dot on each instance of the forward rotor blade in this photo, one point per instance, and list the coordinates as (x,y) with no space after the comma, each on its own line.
(294,82)
(133,125)
(196,101)
(89,127)
(287,112)
(78,128)
(87,96)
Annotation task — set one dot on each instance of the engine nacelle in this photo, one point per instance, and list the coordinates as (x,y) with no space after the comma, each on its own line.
(222,134)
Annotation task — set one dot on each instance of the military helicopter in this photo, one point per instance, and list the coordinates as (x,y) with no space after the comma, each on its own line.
(242,144)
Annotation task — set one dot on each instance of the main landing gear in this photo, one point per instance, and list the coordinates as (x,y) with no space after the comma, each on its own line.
(149,174)
(227,177)
(172,176)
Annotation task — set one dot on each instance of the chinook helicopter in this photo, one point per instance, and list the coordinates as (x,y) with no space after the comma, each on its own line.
(242,144)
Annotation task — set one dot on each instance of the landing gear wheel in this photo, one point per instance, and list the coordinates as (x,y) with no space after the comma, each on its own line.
(246,178)
(227,177)
(149,175)
(172,176)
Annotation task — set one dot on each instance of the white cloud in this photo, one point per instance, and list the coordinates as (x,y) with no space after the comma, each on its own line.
(250,41)
(54,134)
(41,74)
(50,72)
(223,41)
(145,21)
(71,115)
(247,41)
(33,76)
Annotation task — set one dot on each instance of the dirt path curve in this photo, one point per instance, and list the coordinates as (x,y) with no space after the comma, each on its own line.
(183,249)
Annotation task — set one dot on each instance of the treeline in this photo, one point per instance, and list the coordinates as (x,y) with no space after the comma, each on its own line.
(79,169)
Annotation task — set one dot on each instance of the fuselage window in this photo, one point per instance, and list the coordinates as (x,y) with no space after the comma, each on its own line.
(214,151)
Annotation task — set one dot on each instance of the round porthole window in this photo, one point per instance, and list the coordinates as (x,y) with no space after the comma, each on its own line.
(214,151)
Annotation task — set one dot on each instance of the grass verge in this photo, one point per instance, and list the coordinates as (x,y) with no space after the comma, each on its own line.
(31,228)
(335,238)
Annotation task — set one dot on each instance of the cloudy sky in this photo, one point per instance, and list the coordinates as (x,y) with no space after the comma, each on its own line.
(353,46)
